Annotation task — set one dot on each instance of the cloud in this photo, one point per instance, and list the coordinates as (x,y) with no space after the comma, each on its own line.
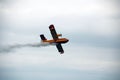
(77,61)
(82,16)
(87,23)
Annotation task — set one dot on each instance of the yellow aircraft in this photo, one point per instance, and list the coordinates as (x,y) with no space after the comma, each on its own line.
(58,41)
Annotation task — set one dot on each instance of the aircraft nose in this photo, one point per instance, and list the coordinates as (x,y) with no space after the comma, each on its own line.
(67,40)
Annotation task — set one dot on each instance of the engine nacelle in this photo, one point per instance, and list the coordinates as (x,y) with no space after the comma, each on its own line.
(59,35)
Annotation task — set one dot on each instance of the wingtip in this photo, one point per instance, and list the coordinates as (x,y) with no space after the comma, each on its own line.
(51,26)
(61,52)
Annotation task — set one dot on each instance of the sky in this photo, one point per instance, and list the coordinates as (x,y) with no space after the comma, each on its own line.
(92,27)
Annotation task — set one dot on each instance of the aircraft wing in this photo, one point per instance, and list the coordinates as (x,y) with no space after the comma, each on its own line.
(53,32)
(59,47)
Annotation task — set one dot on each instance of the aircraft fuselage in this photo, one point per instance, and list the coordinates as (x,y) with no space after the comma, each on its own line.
(60,40)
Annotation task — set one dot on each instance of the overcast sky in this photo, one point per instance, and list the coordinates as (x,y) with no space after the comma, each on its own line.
(92,26)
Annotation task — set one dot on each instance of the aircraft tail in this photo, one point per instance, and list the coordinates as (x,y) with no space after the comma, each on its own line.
(42,37)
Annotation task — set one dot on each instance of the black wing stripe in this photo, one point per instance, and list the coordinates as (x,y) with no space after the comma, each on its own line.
(59,47)
(53,32)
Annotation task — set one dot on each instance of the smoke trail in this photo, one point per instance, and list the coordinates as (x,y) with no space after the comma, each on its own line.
(8,48)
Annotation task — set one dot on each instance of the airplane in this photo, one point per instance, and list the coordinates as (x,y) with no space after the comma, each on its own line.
(58,41)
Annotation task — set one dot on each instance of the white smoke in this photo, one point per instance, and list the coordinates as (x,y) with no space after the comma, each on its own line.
(8,48)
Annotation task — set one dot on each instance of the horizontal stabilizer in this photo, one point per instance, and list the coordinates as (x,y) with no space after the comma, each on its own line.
(42,37)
